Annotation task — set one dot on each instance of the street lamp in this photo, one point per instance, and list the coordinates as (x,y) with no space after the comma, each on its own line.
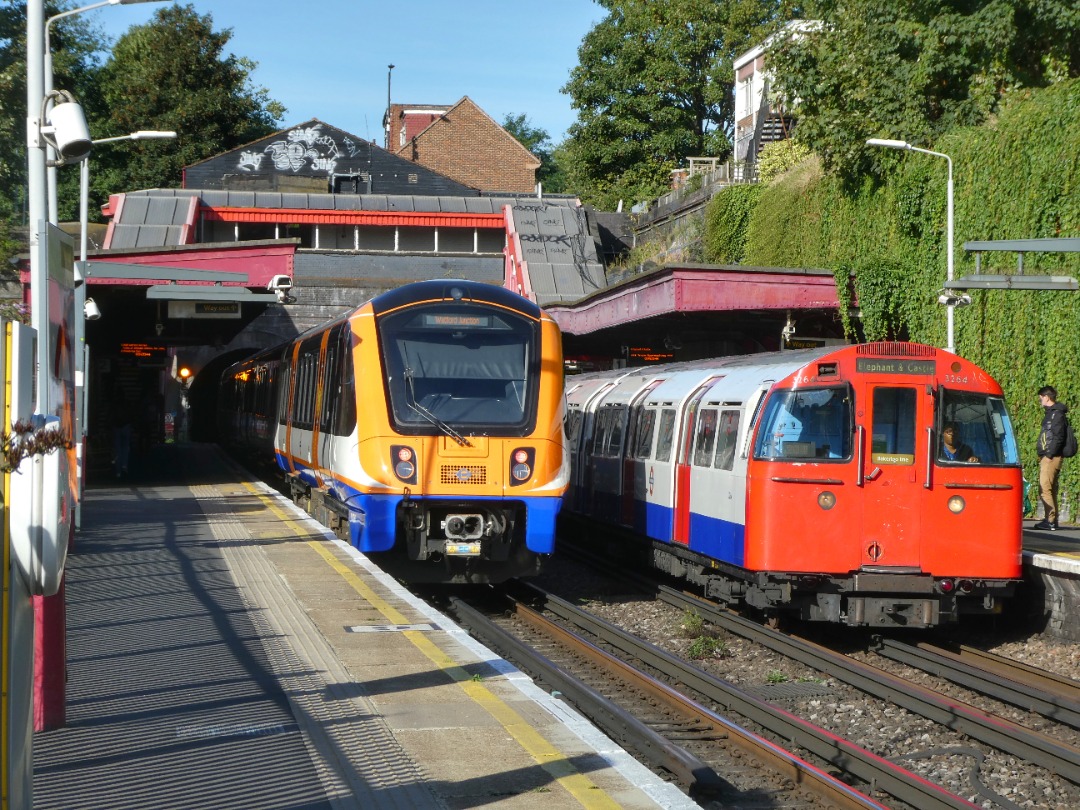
(38,92)
(893,144)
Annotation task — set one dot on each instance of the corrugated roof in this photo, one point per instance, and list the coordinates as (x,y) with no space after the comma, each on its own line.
(558,250)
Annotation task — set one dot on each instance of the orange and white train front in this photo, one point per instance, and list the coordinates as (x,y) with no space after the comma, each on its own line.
(456,465)
(877,524)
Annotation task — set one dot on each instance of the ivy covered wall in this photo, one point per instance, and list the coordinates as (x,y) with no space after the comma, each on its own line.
(1017,177)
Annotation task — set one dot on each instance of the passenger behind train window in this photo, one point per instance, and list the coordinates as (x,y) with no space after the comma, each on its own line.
(953,447)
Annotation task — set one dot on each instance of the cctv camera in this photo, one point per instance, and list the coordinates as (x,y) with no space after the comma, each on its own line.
(283,297)
(91,310)
(69,131)
(279,283)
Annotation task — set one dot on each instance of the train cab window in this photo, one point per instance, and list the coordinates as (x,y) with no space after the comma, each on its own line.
(645,429)
(727,440)
(807,424)
(982,423)
(666,435)
(460,366)
(892,430)
(705,438)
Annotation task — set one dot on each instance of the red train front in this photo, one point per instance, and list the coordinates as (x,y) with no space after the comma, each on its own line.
(815,483)
(922,536)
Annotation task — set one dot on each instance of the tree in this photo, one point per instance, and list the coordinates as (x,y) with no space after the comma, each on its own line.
(173,74)
(878,68)
(538,142)
(76,48)
(654,85)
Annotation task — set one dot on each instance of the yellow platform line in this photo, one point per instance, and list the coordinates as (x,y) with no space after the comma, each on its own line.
(546,755)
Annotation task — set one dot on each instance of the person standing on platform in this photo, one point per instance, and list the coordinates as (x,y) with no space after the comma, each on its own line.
(1050,446)
(120,416)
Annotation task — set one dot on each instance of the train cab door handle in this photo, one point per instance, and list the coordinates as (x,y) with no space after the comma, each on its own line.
(860,435)
(929,456)
(874,473)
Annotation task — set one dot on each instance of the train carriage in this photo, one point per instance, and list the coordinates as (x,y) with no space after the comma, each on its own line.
(812,481)
(426,426)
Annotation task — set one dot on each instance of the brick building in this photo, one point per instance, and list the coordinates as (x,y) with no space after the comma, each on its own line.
(463,143)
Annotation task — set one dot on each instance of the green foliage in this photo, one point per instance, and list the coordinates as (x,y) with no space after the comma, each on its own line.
(776,676)
(916,70)
(550,175)
(1016,176)
(692,624)
(173,73)
(726,219)
(654,85)
(706,647)
(778,157)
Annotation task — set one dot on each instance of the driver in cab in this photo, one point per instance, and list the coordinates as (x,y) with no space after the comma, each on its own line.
(952,449)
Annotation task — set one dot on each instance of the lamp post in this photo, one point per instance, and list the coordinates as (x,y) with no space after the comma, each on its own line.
(894,144)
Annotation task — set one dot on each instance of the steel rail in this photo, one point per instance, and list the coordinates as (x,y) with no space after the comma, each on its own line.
(874,770)
(1032,746)
(998,684)
(626,729)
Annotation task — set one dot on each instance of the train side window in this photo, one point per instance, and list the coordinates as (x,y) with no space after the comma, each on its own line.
(331,382)
(727,439)
(573,428)
(893,429)
(346,414)
(666,435)
(283,402)
(705,439)
(646,428)
(616,419)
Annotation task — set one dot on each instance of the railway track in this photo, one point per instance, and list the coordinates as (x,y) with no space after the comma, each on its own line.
(599,668)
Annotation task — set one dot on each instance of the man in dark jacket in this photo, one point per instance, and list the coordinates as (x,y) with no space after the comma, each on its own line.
(1051,443)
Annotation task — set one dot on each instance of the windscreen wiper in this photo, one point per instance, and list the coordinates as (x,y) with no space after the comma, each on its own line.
(410,400)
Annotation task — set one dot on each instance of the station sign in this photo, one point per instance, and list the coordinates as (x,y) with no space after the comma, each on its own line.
(204,309)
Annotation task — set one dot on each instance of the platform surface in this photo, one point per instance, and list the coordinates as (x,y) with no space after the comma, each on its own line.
(224,651)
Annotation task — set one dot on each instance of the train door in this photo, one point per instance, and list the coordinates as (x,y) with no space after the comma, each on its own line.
(894,463)
(329,402)
(302,421)
(638,445)
(681,529)
(581,470)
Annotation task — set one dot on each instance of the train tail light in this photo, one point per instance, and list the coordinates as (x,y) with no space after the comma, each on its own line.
(946,585)
(403,460)
(965,586)
(522,464)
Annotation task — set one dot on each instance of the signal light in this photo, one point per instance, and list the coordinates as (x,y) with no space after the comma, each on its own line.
(402,461)
(522,461)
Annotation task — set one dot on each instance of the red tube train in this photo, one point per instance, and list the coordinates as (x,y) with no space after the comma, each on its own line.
(810,482)
(426,427)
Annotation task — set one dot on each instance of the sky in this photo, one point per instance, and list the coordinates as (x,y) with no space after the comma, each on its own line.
(328,59)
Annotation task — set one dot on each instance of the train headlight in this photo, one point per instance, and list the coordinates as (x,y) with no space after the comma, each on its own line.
(956,504)
(522,462)
(403,460)
(826,500)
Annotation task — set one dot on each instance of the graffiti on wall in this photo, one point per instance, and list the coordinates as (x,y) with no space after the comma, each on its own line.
(304,148)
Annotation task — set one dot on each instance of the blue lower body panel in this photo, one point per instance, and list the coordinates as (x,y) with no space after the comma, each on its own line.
(373,520)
